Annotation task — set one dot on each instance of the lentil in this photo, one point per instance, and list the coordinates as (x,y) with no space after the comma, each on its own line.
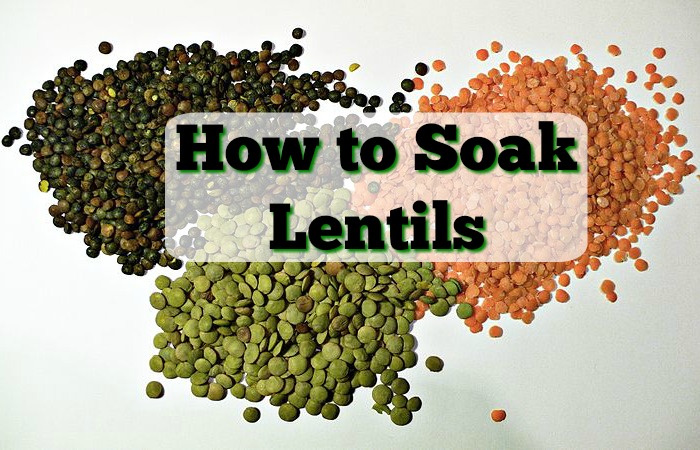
(498,415)
(105,48)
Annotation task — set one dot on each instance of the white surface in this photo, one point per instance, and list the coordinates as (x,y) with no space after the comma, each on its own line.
(75,335)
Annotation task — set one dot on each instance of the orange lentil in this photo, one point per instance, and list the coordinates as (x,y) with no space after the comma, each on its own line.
(635,252)
(561,296)
(549,285)
(576,49)
(631,77)
(418,83)
(678,98)
(620,256)
(496,47)
(564,280)
(580,270)
(439,65)
(614,50)
(669,81)
(498,415)
(436,89)
(641,265)
(671,113)
(624,244)
(659,52)
(608,72)
(482,54)
(495,331)
(629,159)
(481,315)
(659,98)
(607,286)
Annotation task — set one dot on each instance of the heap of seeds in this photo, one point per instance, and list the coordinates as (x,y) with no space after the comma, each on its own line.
(632,170)
(98,141)
(304,335)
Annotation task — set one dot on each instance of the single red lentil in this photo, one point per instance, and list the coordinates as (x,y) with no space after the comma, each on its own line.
(439,65)
(498,415)
(614,50)
(659,52)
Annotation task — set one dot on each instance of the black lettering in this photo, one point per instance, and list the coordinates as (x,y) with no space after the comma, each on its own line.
(447,155)
(324,227)
(280,229)
(233,154)
(291,153)
(463,226)
(522,154)
(420,227)
(442,225)
(368,153)
(347,143)
(374,234)
(549,151)
(211,146)
(468,157)
(397,222)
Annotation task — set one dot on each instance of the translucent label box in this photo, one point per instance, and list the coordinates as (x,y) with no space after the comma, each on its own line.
(495,183)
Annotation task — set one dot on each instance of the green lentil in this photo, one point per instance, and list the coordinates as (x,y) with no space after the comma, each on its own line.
(154,389)
(288,412)
(401,416)
(251,414)
(434,363)
(465,310)
(312,360)
(414,404)
(330,411)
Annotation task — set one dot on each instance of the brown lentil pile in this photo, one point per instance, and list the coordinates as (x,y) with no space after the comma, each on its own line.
(635,165)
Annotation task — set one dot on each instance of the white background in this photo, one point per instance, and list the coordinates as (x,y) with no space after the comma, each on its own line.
(75,334)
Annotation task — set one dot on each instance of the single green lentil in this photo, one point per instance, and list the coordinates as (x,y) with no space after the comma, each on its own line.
(288,412)
(434,363)
(329,411)
(465,310)
(414,404)
(401,416)
(154,389)
(251,414)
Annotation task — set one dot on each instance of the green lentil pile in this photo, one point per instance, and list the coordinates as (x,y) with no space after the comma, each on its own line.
(220,229)
(304,335)
(98,142)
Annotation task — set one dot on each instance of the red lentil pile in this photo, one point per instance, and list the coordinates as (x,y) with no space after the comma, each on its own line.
(636,165)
